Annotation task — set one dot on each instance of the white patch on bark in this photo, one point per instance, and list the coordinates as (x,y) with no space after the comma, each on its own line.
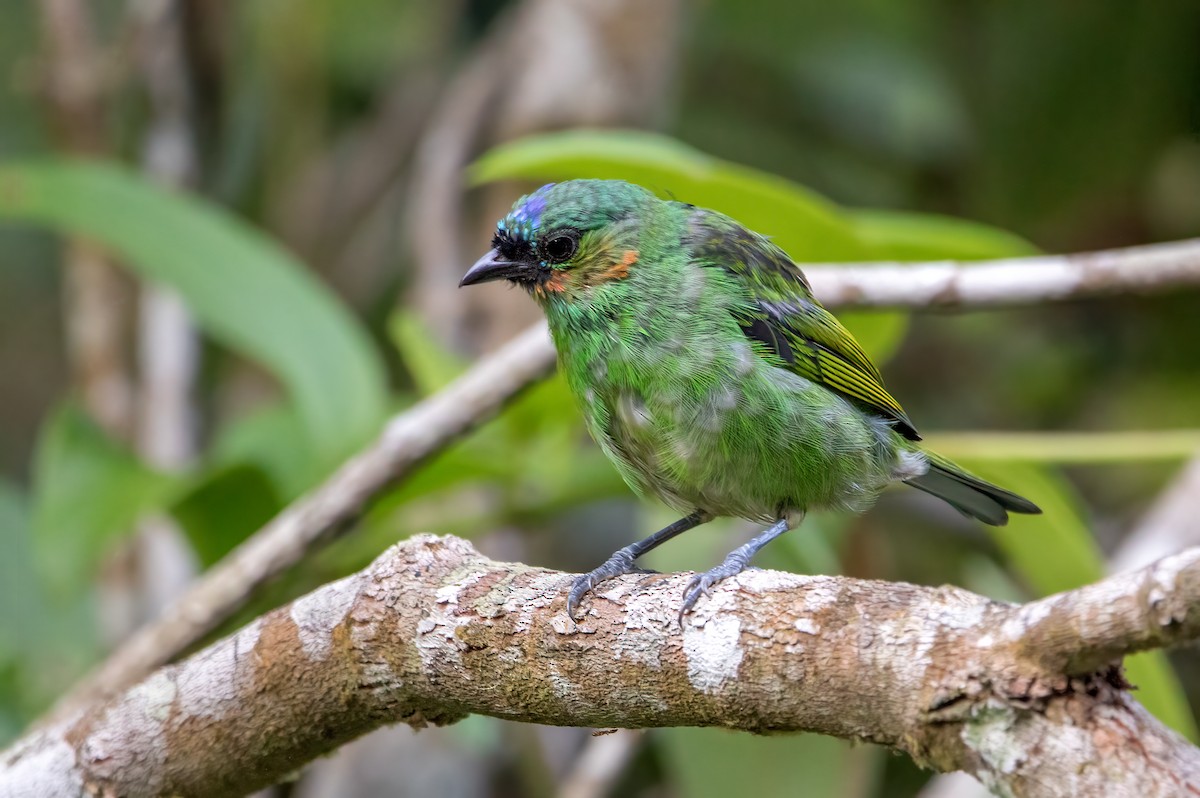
(364,639)
(1026,618)
(130,738)
(158,692)
(437,639)
(965,614)
(818,592)
(44,768)
(644,634)
(526,601)
(1163,580)
(562,625)
(913,632)
(991,735)
(318,614)
(807,626)
(209,683)
(714,651)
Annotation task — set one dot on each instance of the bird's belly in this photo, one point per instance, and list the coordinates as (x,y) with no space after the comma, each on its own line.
(756,447)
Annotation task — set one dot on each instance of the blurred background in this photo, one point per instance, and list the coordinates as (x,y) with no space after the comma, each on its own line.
(258,264)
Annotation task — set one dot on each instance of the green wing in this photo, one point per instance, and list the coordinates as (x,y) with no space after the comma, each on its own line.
(787,320)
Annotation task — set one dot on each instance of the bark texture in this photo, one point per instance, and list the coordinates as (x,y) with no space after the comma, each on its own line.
(1030,699)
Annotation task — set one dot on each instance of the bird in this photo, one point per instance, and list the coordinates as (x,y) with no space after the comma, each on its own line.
(708,372)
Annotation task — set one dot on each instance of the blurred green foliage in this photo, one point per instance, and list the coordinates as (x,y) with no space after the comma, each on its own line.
(244,290)
(1072,126)
(88,493)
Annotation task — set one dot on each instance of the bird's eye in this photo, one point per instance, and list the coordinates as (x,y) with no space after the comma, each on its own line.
(561,246)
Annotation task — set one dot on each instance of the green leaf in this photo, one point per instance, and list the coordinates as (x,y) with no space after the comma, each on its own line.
(242,288)
(224,508)
(1056,551)
(900,235)
(88,492)
(1160,691)
(432,366)
(805,224)
(44,645)
(272,439)
(17,576)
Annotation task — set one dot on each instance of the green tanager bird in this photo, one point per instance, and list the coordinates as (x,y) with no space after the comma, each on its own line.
(708,372)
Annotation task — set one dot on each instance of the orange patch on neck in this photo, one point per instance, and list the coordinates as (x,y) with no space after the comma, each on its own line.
(556,283)
(620,269)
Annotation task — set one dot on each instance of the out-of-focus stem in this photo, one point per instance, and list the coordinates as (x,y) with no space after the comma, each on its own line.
(168,350)
(97,299)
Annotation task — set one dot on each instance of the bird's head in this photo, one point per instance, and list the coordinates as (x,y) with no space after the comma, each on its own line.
(566,239)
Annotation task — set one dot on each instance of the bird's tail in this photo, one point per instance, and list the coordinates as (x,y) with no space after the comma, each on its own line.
(969,494)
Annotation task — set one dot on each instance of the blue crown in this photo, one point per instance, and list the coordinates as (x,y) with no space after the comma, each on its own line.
(523,220)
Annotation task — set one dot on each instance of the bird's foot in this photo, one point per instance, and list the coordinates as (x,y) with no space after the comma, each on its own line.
(617,565)
(735,562)
(702,584)
(622,561)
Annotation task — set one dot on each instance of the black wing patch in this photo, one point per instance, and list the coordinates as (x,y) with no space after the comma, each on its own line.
(787,320)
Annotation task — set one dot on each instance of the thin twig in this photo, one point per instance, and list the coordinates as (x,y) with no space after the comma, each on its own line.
(1017,281)
(432,631)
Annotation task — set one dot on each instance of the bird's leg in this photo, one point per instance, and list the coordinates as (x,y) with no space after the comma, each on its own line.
(735,562)
(621,562)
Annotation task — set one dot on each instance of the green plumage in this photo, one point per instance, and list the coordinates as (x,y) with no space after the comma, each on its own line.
(706,369)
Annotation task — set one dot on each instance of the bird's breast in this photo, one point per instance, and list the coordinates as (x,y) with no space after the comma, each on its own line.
(715,426)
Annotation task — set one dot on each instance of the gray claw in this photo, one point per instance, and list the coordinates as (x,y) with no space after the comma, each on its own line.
(579,588)
(735,562)
(699,586)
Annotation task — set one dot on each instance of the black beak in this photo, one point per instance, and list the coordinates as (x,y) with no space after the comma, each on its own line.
(494,267)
